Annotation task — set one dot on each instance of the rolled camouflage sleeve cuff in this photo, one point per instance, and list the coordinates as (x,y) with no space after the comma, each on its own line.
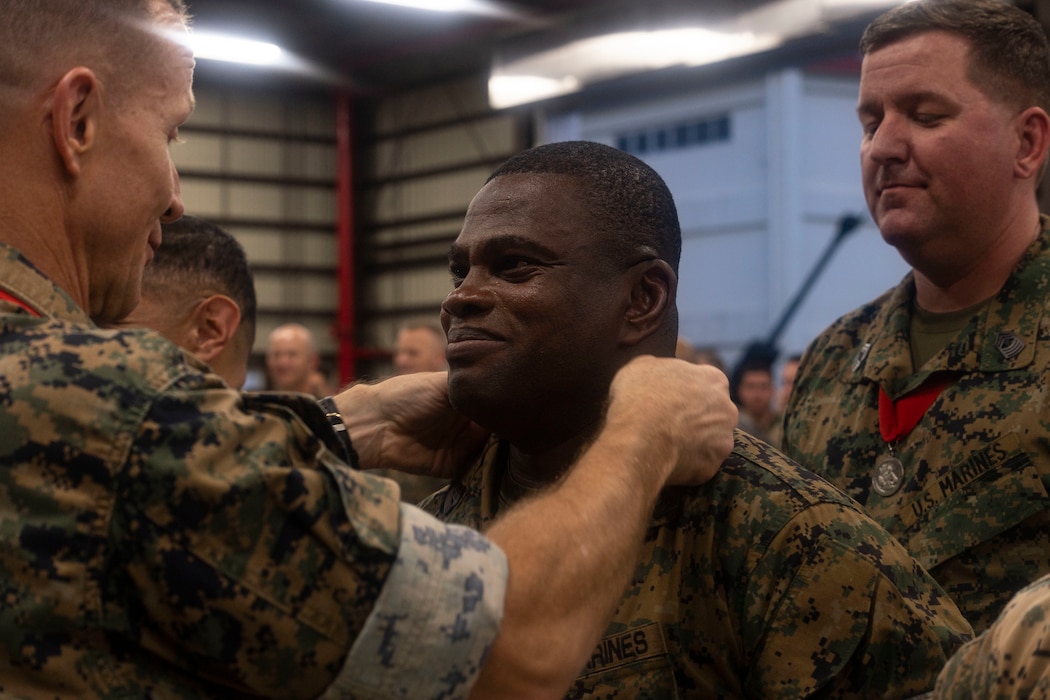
(435,619)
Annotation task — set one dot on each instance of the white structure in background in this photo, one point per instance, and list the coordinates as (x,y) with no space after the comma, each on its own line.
(762,172)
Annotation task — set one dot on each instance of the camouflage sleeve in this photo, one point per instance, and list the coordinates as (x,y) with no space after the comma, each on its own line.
(1011,659)
(435,620)
(847,613)
(797,411)
(257,560)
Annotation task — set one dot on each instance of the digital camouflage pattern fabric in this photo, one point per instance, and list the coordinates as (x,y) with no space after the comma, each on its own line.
(164,536)
(970,502)
(1011,659)
(764,583)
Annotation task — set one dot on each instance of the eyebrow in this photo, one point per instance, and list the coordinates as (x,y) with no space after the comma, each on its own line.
(502,242)
(909,98)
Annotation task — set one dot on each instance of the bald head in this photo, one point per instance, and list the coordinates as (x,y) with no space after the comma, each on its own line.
(292,358)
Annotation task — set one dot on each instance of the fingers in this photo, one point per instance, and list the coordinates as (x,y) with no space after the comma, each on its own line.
(684,405)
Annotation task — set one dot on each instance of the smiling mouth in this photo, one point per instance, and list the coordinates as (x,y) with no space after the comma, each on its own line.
(899,185)
(465,335)
(466,345)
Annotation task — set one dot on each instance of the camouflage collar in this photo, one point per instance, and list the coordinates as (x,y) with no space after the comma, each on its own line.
(20,278)
(1001,336)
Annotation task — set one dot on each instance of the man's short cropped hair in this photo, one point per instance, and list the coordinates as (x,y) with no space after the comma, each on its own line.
(198,257)
(628,202)
(1010,54)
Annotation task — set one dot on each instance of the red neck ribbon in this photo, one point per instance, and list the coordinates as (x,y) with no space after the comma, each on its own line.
(4,296)
(897,419)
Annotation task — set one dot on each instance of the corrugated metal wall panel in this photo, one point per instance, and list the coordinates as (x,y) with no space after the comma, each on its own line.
(262,165)
(426,154)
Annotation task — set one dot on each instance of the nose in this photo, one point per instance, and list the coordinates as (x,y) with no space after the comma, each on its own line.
(176,209)
(889,142)
(473,295)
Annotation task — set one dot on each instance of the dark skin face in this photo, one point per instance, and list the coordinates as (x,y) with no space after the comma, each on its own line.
(534,321)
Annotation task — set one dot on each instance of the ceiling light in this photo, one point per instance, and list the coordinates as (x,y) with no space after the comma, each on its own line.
(222,47)
(510,90)
(519,79)
(477,7)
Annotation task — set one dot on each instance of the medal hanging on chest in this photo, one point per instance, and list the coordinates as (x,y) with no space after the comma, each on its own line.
(889,475)
(897,419)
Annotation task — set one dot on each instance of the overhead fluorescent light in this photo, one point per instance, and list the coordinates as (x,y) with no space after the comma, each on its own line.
(574,65)
(476,7)
(223,47)
(228,48)
(565,69)
(511,90)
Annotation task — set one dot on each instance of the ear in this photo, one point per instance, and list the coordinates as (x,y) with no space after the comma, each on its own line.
(653,288)
(213,324)
(75,111)
(1034,133)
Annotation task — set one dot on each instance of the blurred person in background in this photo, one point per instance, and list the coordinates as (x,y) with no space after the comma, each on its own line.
(293,363)
(420,347)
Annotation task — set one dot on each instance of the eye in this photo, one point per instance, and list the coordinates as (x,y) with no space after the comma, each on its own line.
(517,266)
(926,119)
(457,272)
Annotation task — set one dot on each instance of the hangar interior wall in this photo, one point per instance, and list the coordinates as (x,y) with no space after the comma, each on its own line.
(762,171)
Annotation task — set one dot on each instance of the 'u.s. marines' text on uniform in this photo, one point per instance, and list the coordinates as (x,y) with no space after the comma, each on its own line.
(970,499)
(764,583)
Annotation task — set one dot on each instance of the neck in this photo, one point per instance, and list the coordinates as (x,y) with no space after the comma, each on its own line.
(302,387)
(32,222)
(546,465)
(764,418)
(948,290)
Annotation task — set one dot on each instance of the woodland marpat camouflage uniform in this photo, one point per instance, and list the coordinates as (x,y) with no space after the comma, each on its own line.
(970,502)
(764,583)
(1011,659)
(164,536)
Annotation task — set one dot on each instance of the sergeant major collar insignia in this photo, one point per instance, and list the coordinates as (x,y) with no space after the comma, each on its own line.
(1008,344)
(861,356)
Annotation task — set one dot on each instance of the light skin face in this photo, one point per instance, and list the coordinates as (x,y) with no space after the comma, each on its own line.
(787,381)
(118,147)
(531,305)
(291,359)
(756,394)
(418,350)
(940,160)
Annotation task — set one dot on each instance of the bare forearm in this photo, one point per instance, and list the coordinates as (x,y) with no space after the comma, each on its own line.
(406,423)
(572,549)
(571,553)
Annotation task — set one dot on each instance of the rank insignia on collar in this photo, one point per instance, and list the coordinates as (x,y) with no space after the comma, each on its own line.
(862,355)
(1008,344)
